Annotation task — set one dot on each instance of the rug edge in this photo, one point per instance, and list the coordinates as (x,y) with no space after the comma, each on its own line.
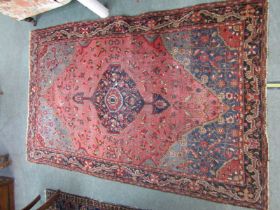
(148,187)
(265,162)
(149,13)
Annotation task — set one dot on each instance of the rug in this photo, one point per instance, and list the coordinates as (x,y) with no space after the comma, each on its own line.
(171,100)
(68,201)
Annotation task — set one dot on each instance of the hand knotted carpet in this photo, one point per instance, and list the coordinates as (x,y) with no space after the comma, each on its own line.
(68,201)
(171,100)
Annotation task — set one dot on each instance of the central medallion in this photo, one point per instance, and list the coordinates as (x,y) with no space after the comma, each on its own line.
(118,101)
(114,100)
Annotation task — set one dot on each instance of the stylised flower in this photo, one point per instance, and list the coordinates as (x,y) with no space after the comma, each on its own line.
(196,17)
(118,27)
(87,165)
(34,89)
(57,159)
(154,178)
(59,35)
(252,50)
(167,17)
(204,38)
(229,96)
(120,171)
(221,83)
(84,30)
(204,144)
(151,24)
(235,133)
(204,57)
(220,130)
(230,119)
(96,25)
(248,11)
(234,83)
(248,108)
(204,169)
(193,186)
(228,9)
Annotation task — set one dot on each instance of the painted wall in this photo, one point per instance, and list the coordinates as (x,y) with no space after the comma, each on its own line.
(32,179)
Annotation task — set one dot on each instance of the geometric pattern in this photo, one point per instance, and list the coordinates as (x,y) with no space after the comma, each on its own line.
(68,201)
(117,100)
(171,100)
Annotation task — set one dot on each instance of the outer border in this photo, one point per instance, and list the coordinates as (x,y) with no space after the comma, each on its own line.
(262,84)
(89,202)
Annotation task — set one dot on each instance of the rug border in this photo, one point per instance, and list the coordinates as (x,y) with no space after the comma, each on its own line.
(51,191)
(155,13)
(265,150)
(264,140)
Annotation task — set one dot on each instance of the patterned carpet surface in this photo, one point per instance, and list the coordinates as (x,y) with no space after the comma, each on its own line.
(68,201)
(171,100)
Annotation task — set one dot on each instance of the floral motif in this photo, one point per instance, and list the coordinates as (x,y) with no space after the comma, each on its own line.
(200,129)
(69,201)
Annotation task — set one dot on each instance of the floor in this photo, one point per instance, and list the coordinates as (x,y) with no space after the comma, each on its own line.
(32,179)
